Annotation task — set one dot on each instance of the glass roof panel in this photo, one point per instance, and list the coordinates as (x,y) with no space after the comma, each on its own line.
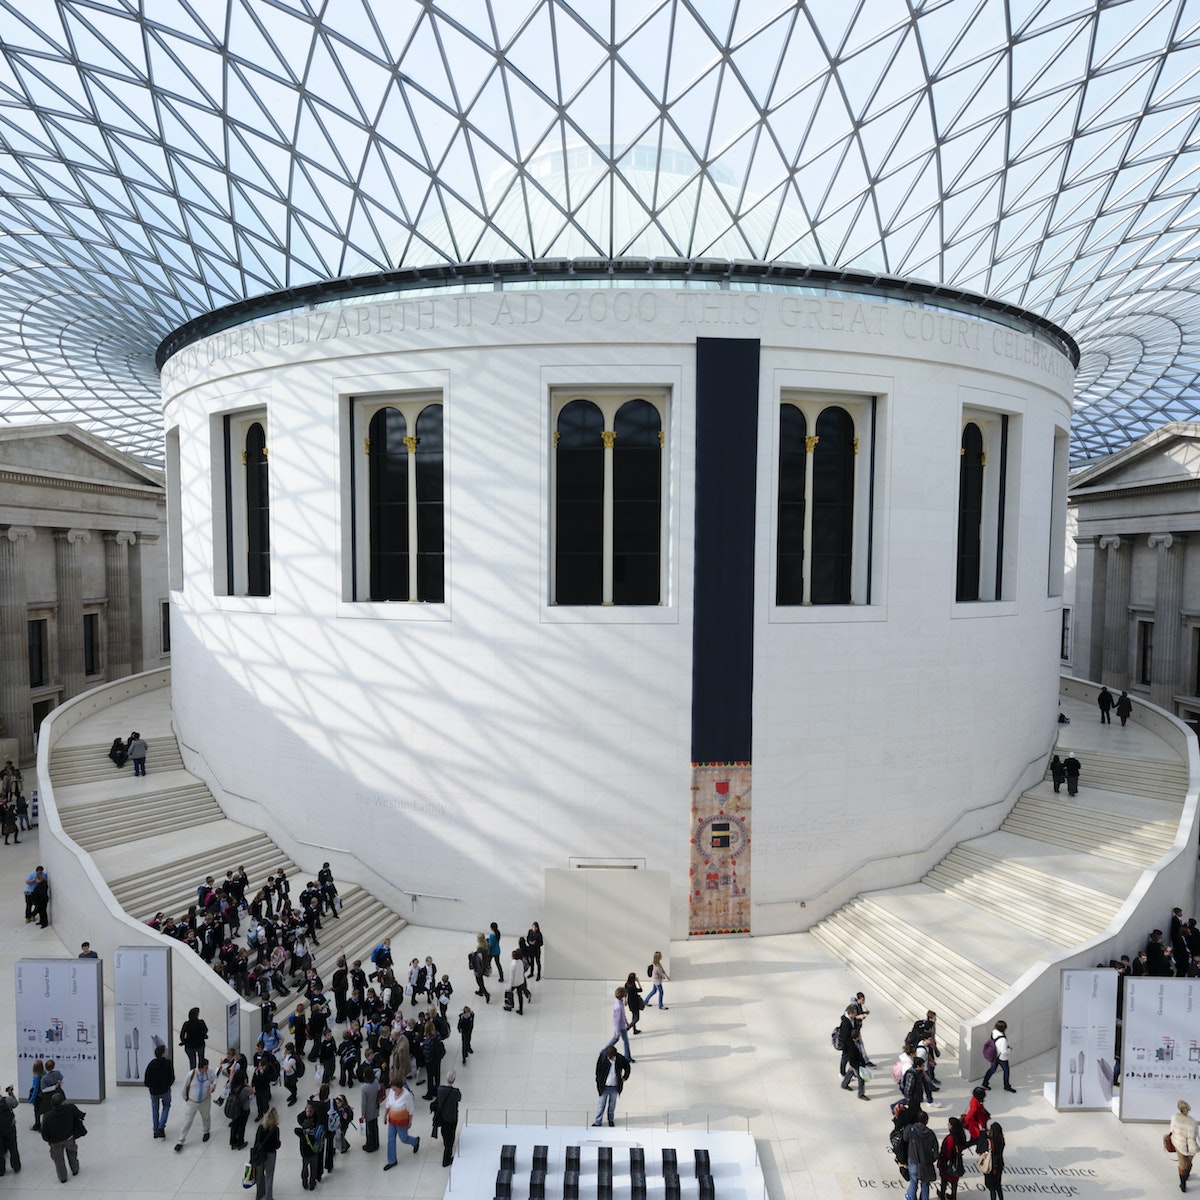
(159,160)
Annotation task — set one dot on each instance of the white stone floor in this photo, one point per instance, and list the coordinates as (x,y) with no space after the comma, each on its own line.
(744,1047)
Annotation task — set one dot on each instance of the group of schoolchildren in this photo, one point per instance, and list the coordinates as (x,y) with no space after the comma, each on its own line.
(279,936)
(921,1157)
(14,808)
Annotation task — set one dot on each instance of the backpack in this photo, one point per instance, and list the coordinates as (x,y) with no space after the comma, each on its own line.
(473,961)
(380,951)
(989,1050)
(836,1037)
(300,1068)
(650,971)
(897,1070)
(896,1144)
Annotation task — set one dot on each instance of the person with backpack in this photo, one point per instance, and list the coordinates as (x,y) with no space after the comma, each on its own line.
(477,963)
(856,1065)
(237,1109)
(844,1035)
(310,1129)
(998,1056)
(950,1159)
(922,1146)
(657,977)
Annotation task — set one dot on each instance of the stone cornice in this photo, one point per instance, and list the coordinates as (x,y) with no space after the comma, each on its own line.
(1137,489)
(70,483)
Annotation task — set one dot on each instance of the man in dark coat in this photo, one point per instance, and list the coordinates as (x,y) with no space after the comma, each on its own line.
(58,1130)
(159,1077)
(612,1069)
(8,1131)
(1072,768)
(445,1116)
(1105,702)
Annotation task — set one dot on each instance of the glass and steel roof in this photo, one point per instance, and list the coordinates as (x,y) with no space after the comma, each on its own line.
(163,158)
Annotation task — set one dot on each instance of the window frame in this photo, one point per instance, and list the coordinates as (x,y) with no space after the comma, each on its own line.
(1000,434)
(363,407)
(863,410)
(231,540)
(609,399)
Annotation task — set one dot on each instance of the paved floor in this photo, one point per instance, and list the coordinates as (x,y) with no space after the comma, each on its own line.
(744,1046)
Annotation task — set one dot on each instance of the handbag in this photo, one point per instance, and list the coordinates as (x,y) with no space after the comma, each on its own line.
(78,1128)
(1168,1142)
(985,1162)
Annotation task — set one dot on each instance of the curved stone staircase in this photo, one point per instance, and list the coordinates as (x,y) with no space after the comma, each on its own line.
(155,839)
(1052,876)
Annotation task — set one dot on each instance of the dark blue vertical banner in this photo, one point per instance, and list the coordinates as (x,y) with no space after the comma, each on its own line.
(723,608)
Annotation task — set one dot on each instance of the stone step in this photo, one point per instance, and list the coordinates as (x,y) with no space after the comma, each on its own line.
(88,764)
(119,832)
(1161,779)
(1062,910)
(1077,823)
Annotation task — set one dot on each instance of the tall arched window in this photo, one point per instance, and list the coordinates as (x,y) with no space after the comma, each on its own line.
(431,580)
(970,512)
(637,504)
(823,505)
(387,470)
(833,507)
(793,462)
(608,500)
(579,505)
(398,519)
(258,513)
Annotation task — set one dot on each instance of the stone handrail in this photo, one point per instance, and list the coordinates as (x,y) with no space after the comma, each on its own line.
(82,904)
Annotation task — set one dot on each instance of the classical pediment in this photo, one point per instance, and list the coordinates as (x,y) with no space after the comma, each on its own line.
(63,452)
(1168,456)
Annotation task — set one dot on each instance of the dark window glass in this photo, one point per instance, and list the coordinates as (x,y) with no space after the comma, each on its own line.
(833,507)
(37,653)
(166,627)
(258,514)
(388,471)
(970,512)
(91,643)
(430,513)
(579,505)
(1145,652)
(793,462)
(637,504)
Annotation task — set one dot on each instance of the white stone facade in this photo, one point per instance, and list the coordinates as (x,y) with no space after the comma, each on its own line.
(460,748)
(83,571)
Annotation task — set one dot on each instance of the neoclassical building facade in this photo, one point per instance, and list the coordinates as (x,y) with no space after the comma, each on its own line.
(1133,622)
(83,578)
(719,582)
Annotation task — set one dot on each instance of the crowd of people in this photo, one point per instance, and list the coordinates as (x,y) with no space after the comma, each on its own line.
(922,1157)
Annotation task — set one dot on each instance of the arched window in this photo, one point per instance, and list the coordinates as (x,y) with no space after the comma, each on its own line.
(579,505)
(398,518)
(608,501)
(833,507)
(637,504)
(823,506)
(431,575)
(258,513)
(970,512)
(793,462)
(387,468)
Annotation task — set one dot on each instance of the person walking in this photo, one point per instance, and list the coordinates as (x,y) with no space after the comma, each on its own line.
(493,946)
(1124,708)
(262,1155)
(612,1069)
(137,752)
(1002,1049)
(368,1106)
(657,976)
(159,1077)
(620,1023)
(633,998)
(60,1126)
(1058,773)
(922,1145)
(197,1098)
(1105,702)
(398,1109)
(466,1027)
(535,942)
(445,1116)
(1183,1134)
(8,1131)
(520,989)
(856,1065)
(192,1036)
(991,1162)
(480,962)
(1071,767)
(950,1159)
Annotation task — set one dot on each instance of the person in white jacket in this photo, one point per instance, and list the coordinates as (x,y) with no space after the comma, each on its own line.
(1183,1134)
(1000,1038)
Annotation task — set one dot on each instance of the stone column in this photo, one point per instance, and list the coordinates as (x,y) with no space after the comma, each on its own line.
(1087,632)
(16,711)
(118,660)
(68,577)
(1168,617)
(1119,553)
